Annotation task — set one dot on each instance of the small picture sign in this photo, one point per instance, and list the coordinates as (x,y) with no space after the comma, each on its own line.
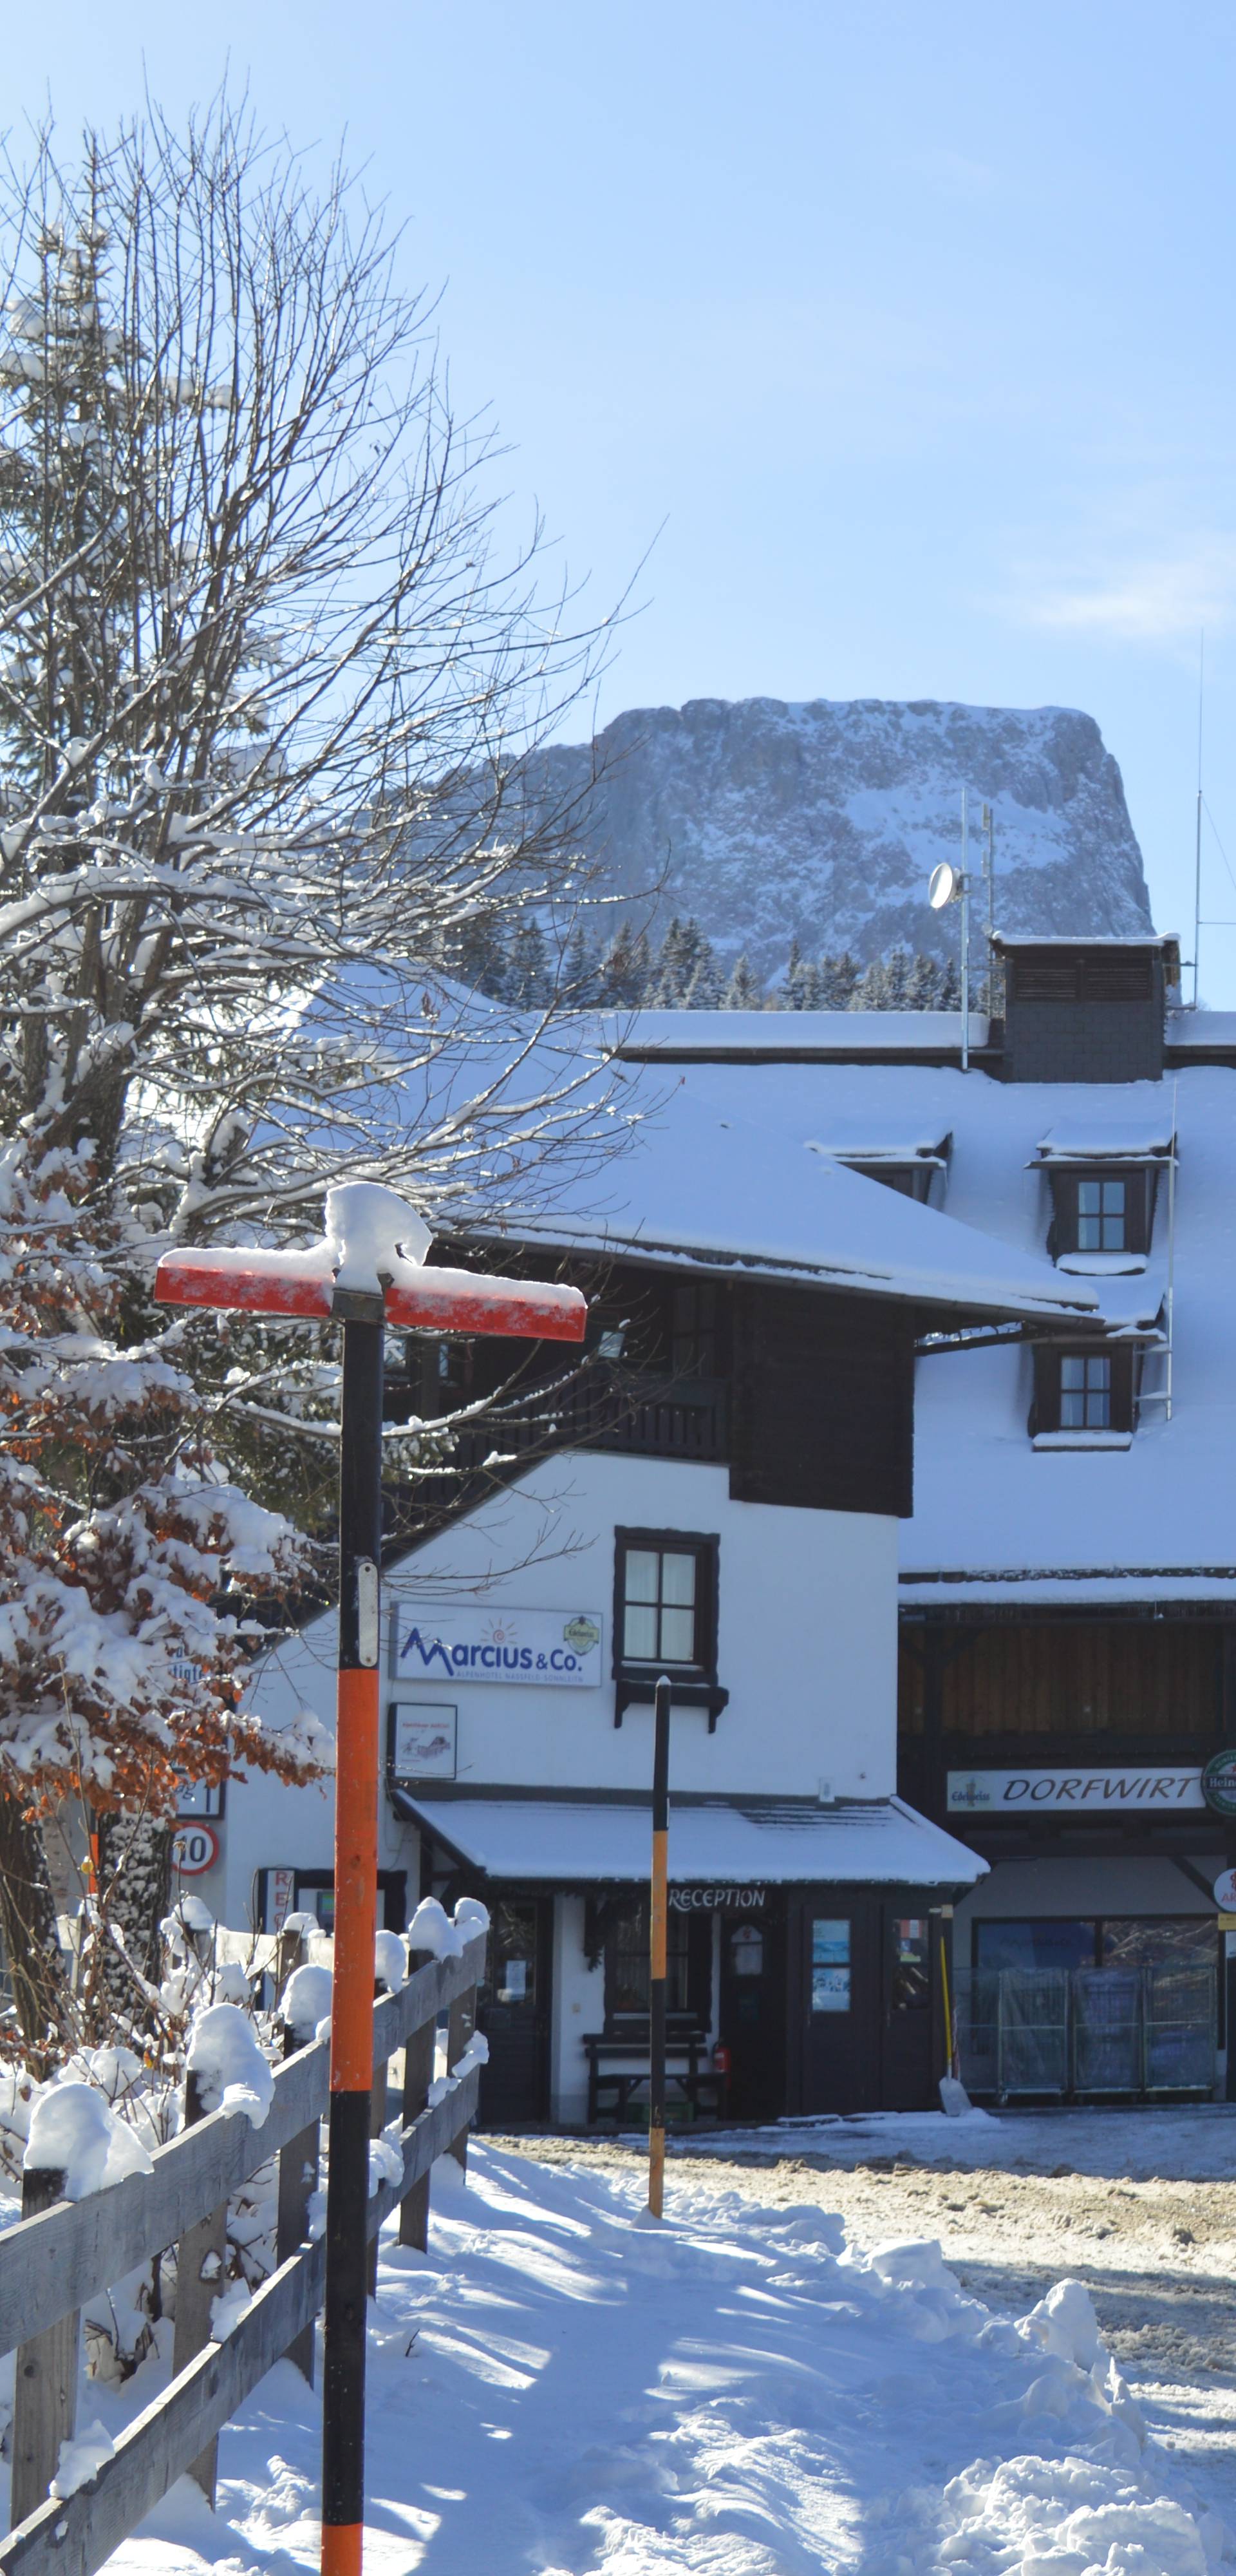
(421,1738)
(198,1797)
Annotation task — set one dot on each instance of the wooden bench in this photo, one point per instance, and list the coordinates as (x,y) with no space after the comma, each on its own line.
(699,2085)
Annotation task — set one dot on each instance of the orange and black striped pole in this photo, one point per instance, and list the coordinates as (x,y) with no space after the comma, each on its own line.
(256,1280)
(356,1892)
(657,1947)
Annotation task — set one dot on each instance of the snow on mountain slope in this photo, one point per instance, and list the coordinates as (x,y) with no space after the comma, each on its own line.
(822,821)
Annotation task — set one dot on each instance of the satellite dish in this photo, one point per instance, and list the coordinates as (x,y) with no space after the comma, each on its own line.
(944,885)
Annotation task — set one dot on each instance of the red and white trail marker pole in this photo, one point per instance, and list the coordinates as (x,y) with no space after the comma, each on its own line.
(367,1274)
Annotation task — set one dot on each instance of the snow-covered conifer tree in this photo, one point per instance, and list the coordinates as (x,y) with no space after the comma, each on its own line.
(674,967)
(742,993)
(706,990)
(835,981)
(923,985)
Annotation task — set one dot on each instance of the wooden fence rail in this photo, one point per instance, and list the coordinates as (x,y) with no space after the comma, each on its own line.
(52,2263)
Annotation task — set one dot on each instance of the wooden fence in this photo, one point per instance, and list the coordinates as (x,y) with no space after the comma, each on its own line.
(58,2256)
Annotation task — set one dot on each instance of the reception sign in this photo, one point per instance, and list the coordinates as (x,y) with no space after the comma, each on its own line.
(550,1649)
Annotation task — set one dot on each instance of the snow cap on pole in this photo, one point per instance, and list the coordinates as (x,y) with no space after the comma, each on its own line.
(372,1232)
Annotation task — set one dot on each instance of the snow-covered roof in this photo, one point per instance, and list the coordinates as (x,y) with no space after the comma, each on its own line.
(1102,1139)
(877,1842)
(993,1517)
(1197,1030)
(871,1140)
(1085,939)
(792,1033)
(571,1146)
(723,1169)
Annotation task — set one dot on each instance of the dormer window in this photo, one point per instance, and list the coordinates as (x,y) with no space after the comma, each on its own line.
(1086,1391)
(1084,1397)
(897,1157)
(1102,1216)
(1099,1210)
(1104,1176)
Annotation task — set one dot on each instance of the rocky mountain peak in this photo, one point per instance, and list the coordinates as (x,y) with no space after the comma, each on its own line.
(821,821)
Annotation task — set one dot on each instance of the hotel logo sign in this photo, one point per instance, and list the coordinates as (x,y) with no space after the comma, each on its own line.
(548,1649)
(1067,1792)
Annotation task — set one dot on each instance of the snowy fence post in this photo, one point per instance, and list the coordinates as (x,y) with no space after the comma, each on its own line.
(377,2123)
(298,2161)
(459,2029)
(290,1949)
(418,2057)
(200,2259)
(45,2389)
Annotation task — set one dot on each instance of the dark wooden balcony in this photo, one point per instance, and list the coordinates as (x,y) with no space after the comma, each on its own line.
(605,1407)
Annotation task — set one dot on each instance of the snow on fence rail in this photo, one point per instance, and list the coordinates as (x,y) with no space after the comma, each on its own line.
(55,2259)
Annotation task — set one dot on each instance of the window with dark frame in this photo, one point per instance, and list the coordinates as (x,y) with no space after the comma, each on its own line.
(1082,1389)
(665,1619)
(688,1966)
(663,1602)
(1101,1216)
(1101,1210)
(1085,1392)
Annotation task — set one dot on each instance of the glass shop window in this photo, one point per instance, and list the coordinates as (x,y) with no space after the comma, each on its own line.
(830,1964)
(911,1979)
(1061,1943)
(1163,1941)
(627,1970)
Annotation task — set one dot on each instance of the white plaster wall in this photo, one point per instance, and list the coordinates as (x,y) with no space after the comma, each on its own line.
(578,2006)
(807,1636)
(807,1649)
(266,1825)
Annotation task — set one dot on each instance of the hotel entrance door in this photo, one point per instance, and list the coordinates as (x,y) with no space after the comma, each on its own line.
(513,2012)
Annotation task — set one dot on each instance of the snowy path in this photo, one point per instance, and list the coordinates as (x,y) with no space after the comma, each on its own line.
(562,2387)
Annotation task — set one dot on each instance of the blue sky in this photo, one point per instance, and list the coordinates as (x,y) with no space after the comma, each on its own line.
(905,332)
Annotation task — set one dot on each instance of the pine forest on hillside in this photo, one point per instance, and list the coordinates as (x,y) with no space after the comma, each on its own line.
(528,970)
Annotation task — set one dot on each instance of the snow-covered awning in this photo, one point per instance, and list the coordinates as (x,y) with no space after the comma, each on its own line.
(869,1142)
(1107,1140)
(570,1842)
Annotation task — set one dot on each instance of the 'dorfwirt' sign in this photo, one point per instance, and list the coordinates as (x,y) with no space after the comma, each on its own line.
(1019,1793)
(551,1649)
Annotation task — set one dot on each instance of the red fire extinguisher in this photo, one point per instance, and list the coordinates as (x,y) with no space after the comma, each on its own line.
(721,2058)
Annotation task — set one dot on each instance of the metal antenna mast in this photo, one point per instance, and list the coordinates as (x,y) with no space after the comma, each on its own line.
(1197,847)
(989,871)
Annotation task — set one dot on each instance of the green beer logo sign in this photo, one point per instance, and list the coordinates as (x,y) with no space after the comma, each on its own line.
(583,1634)
(1219,1784)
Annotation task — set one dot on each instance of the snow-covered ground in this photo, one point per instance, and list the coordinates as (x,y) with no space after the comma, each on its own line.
(1194,2142)
(564,2386)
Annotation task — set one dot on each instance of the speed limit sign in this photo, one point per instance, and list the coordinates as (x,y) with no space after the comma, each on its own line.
(194,1848)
